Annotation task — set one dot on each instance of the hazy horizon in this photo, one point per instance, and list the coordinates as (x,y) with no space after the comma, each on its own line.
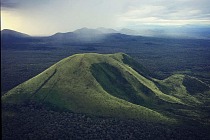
(51,16)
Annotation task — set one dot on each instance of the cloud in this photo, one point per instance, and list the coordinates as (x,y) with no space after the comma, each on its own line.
(50,16)
(9,3)
(167,12)
(21,4)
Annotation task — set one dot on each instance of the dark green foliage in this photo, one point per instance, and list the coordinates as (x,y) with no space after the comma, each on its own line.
(37,122)
(136,66)
(194,86)
(114,82)
(165,89)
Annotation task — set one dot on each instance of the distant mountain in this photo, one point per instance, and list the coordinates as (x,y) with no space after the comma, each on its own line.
(87,31)
(11,39)
(129,31)
(62,36)
(85,35)
(78,36)
(112,85)
(11,33)
(10,36)
(106,30)
(182,32)
(199,32)
(89,35)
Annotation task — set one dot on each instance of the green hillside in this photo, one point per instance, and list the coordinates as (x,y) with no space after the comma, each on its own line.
(111,85)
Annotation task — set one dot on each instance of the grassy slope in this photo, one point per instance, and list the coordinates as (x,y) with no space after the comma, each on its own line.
(183,87)
(102,85)
(71,85)
(193,92)
(148,83)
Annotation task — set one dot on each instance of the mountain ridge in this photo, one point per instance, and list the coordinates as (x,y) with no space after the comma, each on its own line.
(13,33)
(185,32)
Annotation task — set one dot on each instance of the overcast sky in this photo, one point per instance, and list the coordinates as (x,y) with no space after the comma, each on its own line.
(44,17)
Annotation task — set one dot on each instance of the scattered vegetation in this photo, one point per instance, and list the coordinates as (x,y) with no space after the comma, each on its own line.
(34,121)
(194,85)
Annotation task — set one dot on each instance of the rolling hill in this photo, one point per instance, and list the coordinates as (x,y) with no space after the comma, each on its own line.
(79,36)
(112,85)
(10,36)
(86,35)
(11,39)
(12,33)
